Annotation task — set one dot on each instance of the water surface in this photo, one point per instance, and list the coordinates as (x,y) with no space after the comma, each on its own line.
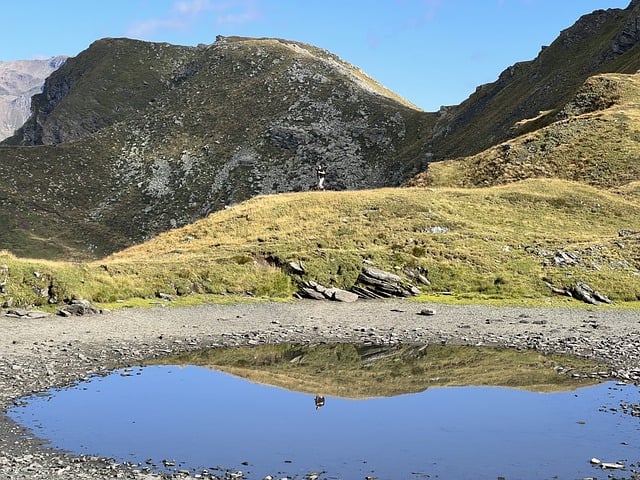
(202,419)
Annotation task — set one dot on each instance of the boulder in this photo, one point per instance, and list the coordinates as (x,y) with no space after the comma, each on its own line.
(78,308)
(381,275)
(312,293)
(315,291)
(340,295)
(581,291)
(375,283)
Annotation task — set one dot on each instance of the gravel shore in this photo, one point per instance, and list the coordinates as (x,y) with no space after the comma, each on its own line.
(40,353)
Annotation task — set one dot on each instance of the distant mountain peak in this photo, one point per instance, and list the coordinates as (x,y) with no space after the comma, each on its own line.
(19,81)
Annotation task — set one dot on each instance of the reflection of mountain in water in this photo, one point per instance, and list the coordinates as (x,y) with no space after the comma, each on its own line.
(359,371)
(201,423)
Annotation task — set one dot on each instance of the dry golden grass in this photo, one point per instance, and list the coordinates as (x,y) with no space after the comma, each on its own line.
(480,243)
(598,144)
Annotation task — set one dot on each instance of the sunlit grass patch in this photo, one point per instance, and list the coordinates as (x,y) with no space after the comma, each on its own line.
(494,244)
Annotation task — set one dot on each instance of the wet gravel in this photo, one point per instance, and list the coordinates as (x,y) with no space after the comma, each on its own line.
(41,353)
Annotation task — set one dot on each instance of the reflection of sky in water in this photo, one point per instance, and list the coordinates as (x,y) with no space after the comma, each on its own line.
(207,419)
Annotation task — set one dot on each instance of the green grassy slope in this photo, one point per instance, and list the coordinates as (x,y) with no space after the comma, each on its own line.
(594,140)
(498,242)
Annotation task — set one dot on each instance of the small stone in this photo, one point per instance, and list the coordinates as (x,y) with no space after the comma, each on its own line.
(341,295)
(427,312)
(297,267)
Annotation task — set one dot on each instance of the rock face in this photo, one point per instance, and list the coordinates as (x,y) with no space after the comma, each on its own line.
(375,283)
(19,81)
(630,34)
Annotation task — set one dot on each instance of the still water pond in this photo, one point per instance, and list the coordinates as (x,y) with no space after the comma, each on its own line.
(196,419)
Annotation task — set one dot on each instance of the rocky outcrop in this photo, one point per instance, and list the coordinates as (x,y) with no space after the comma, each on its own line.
(581,291)
(372,283)
(79,308)
(315,291)
(375,283)
(630,34)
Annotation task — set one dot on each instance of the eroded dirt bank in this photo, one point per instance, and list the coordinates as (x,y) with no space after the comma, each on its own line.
(40,353)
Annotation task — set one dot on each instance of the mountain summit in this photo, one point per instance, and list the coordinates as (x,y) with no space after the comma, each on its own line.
(131,138)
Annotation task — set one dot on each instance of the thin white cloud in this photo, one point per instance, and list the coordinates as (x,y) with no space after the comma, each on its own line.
(191,7)
(151,26)
(417,13)
(185,14)
(236,12)
(373,40)
(428,10)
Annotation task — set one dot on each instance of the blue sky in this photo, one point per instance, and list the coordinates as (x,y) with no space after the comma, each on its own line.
(432,52)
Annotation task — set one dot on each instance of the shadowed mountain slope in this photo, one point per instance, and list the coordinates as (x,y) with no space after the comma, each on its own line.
(602,41)
(595,139)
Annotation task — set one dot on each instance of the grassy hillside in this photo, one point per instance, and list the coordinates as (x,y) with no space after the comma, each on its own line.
(499,242)
(216,146)
(595,139)
(595,44)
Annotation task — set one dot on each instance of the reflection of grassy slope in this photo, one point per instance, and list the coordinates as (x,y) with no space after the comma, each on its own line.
(345,370)
(498,243)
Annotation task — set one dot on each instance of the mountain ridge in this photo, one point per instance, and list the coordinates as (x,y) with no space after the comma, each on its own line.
(175,152)
(598,42)
(182,132)
(594,139)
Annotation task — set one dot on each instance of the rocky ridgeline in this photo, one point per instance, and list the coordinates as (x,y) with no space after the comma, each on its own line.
(152,145)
